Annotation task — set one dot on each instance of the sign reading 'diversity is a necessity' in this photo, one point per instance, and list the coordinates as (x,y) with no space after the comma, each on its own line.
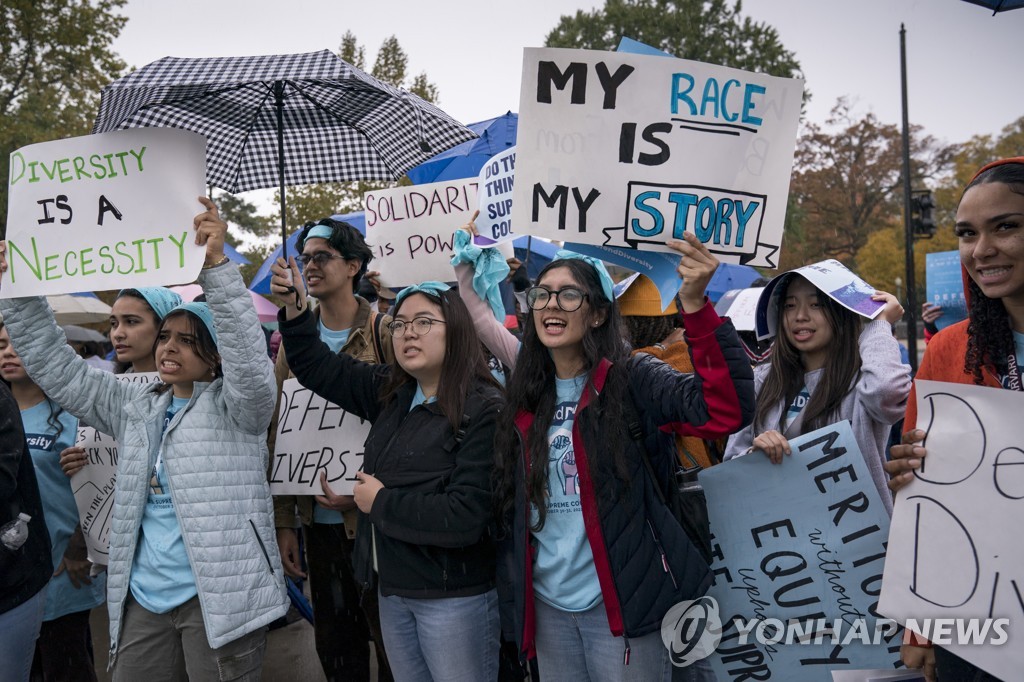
(104,211)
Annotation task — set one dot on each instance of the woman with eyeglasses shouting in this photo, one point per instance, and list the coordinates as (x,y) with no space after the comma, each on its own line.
(424,492)
(595,557)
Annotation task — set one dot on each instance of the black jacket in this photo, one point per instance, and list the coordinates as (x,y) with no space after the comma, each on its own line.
(644,560)
(432,519)
(26,571)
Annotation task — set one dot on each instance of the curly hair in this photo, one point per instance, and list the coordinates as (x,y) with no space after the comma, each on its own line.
(532,389)
(989,333)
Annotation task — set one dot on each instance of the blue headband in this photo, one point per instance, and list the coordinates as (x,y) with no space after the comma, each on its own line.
(161,299)
(202,311)
(321,231)
(607,286)
(430,287)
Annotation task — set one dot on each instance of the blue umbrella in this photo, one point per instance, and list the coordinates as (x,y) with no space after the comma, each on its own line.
(465,160)
(540,253)
(728,277)
(998,5)
(261,280)
(233,254)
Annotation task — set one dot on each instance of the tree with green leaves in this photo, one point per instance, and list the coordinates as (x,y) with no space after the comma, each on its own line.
(55,57)
(312,202)
(710,31)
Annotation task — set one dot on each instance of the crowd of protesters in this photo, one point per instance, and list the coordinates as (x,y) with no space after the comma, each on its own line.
(499,527)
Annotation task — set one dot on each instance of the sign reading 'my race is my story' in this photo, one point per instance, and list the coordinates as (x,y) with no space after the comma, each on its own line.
(630,150)
(104,212)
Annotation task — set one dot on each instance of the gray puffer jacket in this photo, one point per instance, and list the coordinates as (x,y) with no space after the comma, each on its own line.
(214,454)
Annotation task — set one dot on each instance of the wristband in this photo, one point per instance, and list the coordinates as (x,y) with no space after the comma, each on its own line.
(222,261)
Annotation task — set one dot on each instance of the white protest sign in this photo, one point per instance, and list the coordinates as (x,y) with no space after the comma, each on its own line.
(313,435)
(739,305)
(93,485)
(411,230)
(831,277)
(955,558)
(104,211)
(496,181)
(629,150)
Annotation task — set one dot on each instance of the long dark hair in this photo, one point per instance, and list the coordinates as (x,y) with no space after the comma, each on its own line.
(463,362)
(989,334)
(786,371)
(532,389)
(122,367)
(53,420)
(206,347)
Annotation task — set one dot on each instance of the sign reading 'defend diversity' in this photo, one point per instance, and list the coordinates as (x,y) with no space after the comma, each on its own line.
(104,211)
(798,555)
(955,569)
(945,286)
(315,435)
(93,485)
(628,150)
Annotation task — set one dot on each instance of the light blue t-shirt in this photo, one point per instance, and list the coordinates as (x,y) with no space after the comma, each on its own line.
(799,403)
(335,340)
(419,398)
(162,577)
(564,575)
(59,507)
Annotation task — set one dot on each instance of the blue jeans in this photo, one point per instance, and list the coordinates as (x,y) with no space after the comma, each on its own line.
(580,646)
(19,629)
(451,639)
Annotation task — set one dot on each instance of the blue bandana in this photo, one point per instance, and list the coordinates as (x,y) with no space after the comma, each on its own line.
(161,299)
(607,286)
(489,271)
(430,287)
(203,312)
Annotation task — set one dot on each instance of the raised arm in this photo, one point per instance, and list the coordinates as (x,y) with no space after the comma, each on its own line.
(884,382)
(248,373)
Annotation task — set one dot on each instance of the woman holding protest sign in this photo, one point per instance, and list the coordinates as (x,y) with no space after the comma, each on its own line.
(986,349)
(135,320)
(424,494)
(64,648)
(826,366)
(194,572)
(592,554)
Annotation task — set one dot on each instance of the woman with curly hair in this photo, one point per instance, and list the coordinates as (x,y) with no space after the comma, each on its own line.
(986,349)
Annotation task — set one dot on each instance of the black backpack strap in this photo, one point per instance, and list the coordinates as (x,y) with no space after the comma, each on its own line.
(459,435)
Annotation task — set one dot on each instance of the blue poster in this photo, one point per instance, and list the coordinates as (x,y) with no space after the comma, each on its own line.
(659,267)
(945,286)
(799,549)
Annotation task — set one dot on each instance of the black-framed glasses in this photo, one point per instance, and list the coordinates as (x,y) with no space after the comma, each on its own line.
(319,259)
(569,299)
(420,325)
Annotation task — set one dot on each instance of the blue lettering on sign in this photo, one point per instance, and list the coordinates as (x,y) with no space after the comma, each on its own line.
(716,101)
(721,222)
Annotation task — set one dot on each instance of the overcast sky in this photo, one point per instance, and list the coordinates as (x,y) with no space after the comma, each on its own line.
(964,65)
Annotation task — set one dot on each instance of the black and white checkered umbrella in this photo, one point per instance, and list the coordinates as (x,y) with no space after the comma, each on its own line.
(279,120)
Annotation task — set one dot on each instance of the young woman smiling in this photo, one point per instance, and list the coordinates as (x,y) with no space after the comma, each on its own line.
(827,366)
(592,557)
(194,572)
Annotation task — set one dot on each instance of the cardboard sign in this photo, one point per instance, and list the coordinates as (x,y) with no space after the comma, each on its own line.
(802,542)
(629,150)
(954,547)
(93,485)
(831,277)
(740,306)
(104,211)
(495,184)
(946,286)
(315,435)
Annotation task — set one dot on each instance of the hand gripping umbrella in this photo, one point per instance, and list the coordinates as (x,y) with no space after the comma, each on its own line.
(278,120)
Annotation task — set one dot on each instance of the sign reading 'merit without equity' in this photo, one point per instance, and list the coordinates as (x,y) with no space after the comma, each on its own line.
(104,212)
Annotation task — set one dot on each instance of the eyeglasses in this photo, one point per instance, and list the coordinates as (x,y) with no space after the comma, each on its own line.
(319,259)
(569,299)
(420,325)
